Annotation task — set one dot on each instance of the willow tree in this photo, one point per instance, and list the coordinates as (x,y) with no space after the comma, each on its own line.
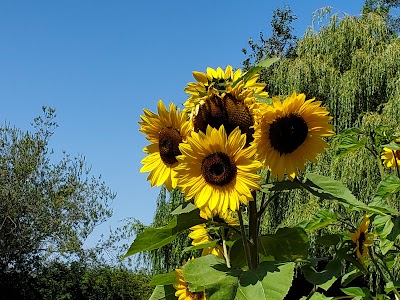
(352,66)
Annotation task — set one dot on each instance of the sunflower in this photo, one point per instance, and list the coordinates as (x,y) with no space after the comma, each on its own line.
(391,157)
(165,130)
(200,235)
(224,98)
(362,239)
(217,170)
(182,289)
(290,133)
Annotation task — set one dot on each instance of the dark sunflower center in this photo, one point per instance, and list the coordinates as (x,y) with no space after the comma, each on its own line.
(168,144)
(218,169)
(195,295)
(397,155)
(288,133)
(227,111)
(361,240)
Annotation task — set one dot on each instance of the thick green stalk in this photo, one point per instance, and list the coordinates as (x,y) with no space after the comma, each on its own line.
(244,237)
(253,233)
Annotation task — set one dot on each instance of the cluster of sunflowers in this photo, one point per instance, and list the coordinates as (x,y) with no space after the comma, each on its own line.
(230,137)
(214,148)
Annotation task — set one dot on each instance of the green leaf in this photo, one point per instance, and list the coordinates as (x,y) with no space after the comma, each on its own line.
(383,225)
(236,253)
(321,219)
(285,185)
(154,238)
(325,278)
(211,273)
(392,146)
(349,144)
(166,292)
(350,276)
(329,188)
(285,244)
(164,279)
(387,187)
(356,291)
(266,63)
(317,296)
(328,240)
(387,243)
(270,281)
(184,208)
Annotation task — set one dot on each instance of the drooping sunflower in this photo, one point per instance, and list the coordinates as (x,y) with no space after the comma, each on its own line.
(362,239)
(165,130)
(290,133)
(199,235)
(217,170)
(391,157)
(182,289)
(218,80)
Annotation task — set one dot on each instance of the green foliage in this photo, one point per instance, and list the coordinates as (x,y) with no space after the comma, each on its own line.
(271,280)
(154,238)
(48,207)
(78,281)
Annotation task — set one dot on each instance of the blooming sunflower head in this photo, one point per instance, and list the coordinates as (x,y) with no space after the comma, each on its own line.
(182,289)
(217,170)
(290,133)
(165,130)
(391,158)
(362,239)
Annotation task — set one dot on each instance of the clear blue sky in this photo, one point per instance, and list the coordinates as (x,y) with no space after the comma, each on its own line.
(99,63)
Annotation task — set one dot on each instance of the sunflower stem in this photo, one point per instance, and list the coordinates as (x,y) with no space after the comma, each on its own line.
(244,236)
(396,163)
(373,259)
(253,232)
(226,254)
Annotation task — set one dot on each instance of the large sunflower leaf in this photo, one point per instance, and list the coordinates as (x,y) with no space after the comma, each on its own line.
(164,279)
(271,280)
(321,219)
(387,187)
(184,208)
(325,278)
(349,144)
(285,244)
(329,188)
(154,238)
(163,292)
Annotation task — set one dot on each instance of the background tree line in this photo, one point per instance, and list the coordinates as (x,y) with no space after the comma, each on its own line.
(48,207)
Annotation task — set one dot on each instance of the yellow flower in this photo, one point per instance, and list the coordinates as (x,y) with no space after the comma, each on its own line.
(391,157)
(290,133)
(200,235)
(165,130)
(220,98)
(182,290)
(362,239)
(216,170)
